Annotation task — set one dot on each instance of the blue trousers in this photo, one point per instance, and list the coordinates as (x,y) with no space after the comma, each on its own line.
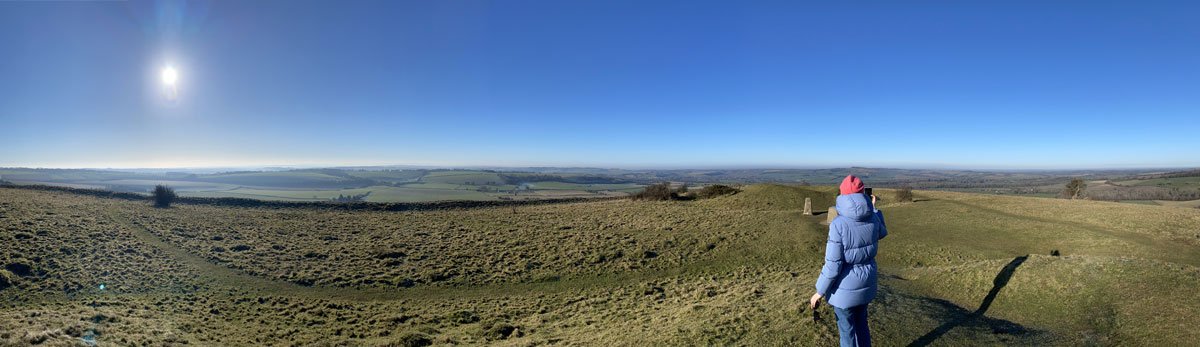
(852,326)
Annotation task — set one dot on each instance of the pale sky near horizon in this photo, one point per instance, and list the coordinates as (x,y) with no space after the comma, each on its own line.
(633,84)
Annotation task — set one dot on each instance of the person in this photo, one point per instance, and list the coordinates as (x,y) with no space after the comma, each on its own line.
(848,279)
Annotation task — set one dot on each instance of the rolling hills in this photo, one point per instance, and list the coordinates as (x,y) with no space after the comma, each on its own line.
(958,269)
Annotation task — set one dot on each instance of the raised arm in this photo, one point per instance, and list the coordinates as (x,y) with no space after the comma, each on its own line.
(879,219)
(882,225)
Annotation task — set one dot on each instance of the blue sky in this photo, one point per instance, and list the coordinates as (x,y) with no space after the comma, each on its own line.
(635,84)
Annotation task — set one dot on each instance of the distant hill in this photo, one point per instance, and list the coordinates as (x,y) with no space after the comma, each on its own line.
(427,184)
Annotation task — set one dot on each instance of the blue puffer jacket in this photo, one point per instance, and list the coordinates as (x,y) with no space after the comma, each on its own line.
(848,278)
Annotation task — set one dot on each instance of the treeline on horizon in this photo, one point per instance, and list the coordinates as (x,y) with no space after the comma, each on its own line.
(1119,193)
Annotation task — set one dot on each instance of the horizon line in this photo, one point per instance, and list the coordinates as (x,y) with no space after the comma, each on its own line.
(260,167)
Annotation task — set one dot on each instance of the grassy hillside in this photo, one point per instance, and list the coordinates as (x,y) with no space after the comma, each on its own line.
(957,269)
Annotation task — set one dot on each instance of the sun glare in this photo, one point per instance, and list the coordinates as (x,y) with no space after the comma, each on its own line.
(169,76)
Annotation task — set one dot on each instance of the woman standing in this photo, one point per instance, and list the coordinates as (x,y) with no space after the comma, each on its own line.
(848,279)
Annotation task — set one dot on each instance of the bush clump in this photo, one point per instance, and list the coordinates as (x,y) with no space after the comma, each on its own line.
(904,194)
(656,192)
(163,196)
(715,190)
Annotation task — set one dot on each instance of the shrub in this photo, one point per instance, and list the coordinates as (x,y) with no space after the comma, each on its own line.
(683,189)
(715,190)
(163,196)
(655,192)
(904,194)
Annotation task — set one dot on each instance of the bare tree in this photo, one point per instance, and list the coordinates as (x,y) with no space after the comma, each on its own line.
(1074,189)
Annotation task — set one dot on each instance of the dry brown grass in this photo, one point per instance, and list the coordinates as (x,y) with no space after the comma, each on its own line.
(390,249)
(733,270)
(61,244)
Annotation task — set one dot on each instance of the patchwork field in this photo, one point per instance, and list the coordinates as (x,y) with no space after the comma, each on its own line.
(416,185)
(957,269)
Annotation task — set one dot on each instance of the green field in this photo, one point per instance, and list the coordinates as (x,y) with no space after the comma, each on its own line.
(407,193)
(328,184)
(957,269)
(577,186)
(1173,182)
(462,177)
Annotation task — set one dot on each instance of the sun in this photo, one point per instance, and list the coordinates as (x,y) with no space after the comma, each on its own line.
(170,82)
(169,76)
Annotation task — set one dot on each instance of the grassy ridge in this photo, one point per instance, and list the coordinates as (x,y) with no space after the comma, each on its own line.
(730,270)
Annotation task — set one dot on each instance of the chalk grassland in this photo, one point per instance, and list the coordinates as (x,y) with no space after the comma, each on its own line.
(730,270)
(1109,250)
(1183,204)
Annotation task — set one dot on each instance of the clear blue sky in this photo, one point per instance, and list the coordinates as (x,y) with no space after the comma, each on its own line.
(1009,84)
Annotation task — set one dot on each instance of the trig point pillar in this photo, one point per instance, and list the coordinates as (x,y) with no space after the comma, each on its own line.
(807,206)
(831,215)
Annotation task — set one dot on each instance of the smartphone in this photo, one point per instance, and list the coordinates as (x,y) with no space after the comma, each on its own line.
(868,191)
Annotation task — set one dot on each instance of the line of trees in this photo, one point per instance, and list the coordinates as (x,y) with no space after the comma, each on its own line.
(1119,193)
(657,191)
(522,178)
(351,198)
(1175,174)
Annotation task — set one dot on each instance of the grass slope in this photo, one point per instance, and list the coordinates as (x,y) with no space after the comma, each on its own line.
(957,269)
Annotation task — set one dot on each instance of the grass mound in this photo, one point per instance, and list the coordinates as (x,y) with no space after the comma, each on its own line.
(776,197)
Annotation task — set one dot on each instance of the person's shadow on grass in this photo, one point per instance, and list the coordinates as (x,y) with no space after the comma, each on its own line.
(997,284)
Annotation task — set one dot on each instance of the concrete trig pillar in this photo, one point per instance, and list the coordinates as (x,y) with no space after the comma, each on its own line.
(807,206)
